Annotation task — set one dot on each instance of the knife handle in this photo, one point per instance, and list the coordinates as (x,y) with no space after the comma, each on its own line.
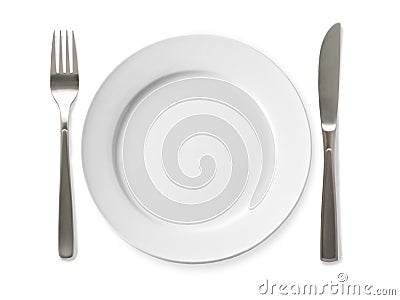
(329,240)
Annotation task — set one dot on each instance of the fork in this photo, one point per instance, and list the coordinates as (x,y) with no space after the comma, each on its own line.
(64,86)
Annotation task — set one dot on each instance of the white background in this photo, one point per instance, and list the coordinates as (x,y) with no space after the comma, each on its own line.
(290,33)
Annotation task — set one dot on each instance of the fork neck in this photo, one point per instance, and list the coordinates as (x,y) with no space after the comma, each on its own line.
(64,117)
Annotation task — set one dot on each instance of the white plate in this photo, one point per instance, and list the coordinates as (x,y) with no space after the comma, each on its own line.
(196,148)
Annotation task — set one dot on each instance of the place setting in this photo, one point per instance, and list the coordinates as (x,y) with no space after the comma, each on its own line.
(196,148)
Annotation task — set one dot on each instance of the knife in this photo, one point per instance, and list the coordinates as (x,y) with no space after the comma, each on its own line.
(328,88)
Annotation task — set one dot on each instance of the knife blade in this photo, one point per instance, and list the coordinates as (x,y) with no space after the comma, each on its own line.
(328,77)
(328,88)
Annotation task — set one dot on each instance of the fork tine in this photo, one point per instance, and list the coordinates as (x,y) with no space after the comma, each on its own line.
(53,55)
(60,61)
(74,56)
(66,53)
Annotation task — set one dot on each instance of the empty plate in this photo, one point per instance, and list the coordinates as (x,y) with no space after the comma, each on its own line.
(196,148)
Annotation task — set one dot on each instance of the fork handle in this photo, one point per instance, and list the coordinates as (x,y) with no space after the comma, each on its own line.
(329,240)
(65,217)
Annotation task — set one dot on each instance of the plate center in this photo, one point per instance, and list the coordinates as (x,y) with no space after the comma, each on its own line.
(192,148)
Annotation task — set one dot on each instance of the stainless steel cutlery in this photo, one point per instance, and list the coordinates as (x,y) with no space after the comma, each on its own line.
(328,87)
(64,85)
